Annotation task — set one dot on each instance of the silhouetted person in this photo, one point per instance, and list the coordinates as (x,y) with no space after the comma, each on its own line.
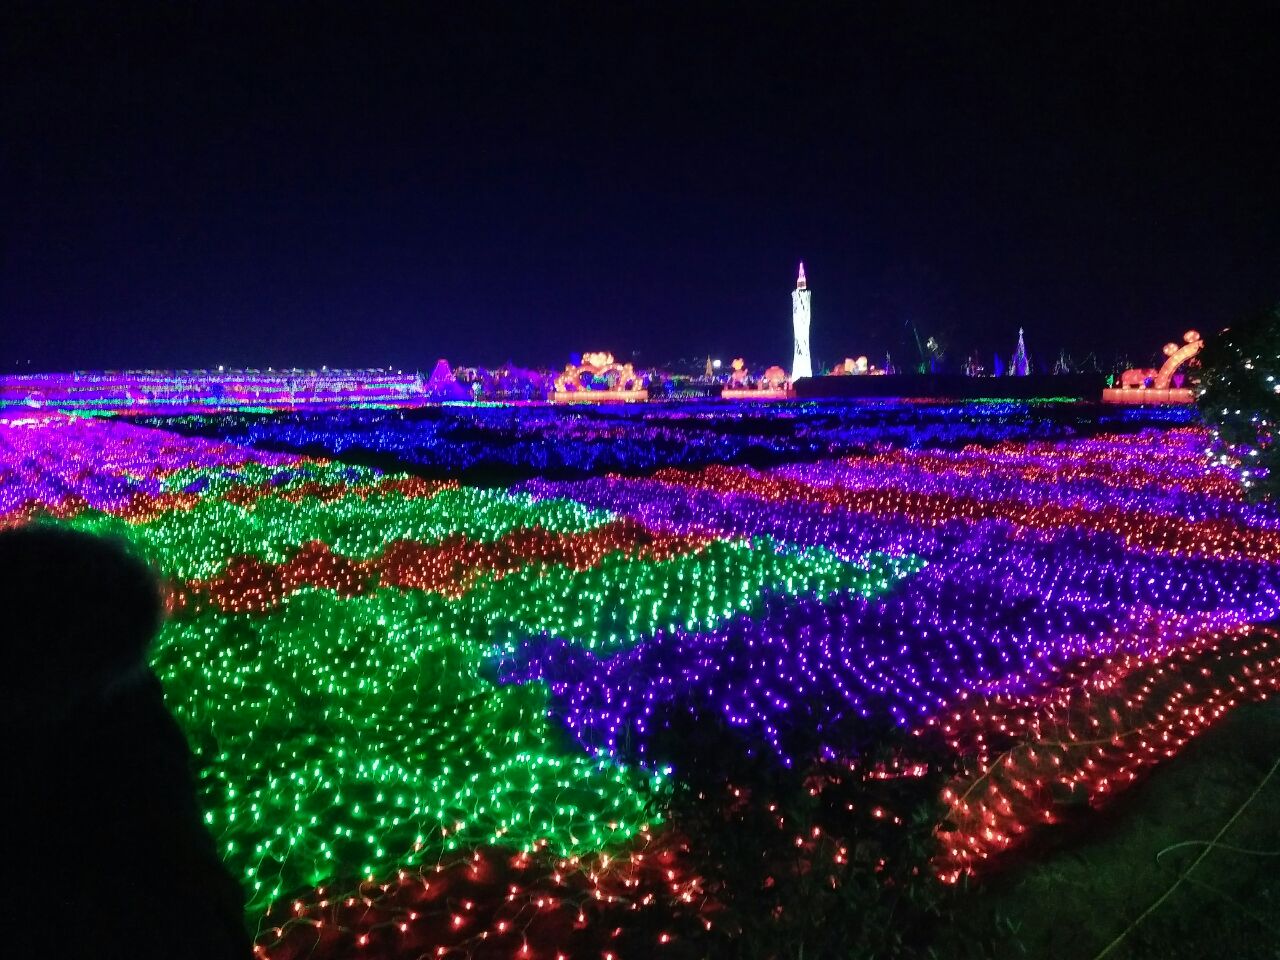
(105,853)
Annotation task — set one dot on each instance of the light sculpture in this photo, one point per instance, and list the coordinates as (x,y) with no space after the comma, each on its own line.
(598,379)
(1134,382)
(772,384)
(1019,364)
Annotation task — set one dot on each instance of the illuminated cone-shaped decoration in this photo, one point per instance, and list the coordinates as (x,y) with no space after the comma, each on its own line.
(1018,366)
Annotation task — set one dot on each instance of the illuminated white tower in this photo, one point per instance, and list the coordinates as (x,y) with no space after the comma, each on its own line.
(801,365)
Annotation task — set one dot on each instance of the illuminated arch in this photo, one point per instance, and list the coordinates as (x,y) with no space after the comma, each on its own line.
(598,378)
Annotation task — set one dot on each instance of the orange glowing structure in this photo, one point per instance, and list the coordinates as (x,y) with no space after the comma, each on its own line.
(598,379)
(772,384)
(1133,383)
(850,367)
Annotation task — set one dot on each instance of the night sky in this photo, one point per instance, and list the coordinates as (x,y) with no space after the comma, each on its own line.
(189,184)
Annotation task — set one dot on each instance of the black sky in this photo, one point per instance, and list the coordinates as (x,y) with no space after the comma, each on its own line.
(295,184)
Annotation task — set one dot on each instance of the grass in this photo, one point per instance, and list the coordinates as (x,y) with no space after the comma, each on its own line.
(1086,889)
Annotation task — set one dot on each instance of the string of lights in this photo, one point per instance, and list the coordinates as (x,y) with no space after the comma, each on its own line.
(539,441)
(431,718)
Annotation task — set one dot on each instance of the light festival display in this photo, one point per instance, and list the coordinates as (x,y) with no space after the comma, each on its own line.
(499,444)
(1147,385)
(221,389)
(598,379)
(430,717)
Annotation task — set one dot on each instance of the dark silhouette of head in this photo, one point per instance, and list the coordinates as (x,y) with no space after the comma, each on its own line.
(81,611)
(98,772)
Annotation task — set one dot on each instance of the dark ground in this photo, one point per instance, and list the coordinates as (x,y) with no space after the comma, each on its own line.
(1071,902)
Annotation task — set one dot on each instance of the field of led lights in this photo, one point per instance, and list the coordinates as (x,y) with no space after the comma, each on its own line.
(542,716)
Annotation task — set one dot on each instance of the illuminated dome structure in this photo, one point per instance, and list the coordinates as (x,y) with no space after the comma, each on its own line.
(1148,385)
(598,379)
